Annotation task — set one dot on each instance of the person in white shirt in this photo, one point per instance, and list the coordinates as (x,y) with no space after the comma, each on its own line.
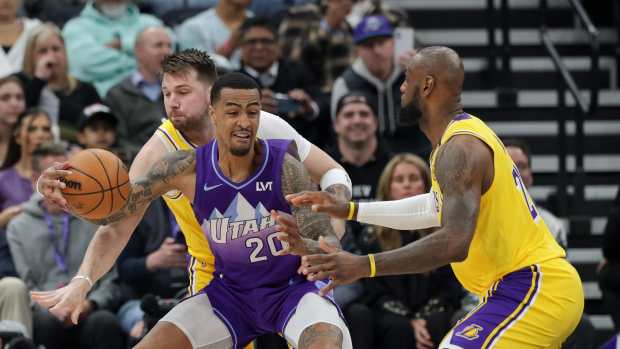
(14,33)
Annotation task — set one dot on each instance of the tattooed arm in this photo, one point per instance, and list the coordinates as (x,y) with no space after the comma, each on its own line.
(311,225)
(173,171)
(464,169)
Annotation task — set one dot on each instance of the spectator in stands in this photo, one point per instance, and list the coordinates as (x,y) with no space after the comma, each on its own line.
(31,129)
(13,36)
(375,72)
(101,41)
(361,153)
(12,104)
(407,309)
(97,129)
(153,262)
(358,149)
(521,156)
(48,84)
(137,100)
(319,37)
(15,311)
(362,8)
(48,245)
(216,29)
(609,269)
(288,89)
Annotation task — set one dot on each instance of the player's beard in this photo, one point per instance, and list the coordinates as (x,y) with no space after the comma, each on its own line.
(411,113)
(243,149)
(240,151)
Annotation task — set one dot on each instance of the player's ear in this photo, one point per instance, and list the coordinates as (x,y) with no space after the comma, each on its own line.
(212,112)
(429,84)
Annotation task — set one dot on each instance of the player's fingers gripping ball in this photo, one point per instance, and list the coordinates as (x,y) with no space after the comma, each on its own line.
(98,185)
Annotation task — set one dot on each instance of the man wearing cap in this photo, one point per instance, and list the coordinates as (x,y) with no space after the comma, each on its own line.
(375,72)
(97,127)
(359,150)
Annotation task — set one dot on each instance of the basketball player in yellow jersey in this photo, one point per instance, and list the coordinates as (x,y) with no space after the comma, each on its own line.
(188,77)
(490,231)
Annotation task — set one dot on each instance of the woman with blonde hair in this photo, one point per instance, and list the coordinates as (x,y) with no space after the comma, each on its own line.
(420,305)
(48,83)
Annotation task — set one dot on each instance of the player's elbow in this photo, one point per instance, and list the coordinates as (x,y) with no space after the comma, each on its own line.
(460,254)
(460,249)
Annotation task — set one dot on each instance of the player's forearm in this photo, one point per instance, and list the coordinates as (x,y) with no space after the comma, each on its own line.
(313,246)
(431,252)
(102,252)
(413,213)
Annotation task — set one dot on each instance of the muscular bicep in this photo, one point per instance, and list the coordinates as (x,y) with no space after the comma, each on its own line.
(153,150)
(461,169)
(295,178)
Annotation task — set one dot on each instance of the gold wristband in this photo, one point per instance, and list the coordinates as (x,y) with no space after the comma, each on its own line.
(351,210)
(373,267)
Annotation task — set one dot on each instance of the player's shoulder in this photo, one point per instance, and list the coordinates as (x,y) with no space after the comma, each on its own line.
(464,147)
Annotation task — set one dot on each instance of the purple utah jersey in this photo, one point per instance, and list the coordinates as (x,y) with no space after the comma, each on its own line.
(235,217)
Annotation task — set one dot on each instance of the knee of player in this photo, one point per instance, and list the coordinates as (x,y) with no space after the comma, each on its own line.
(12,286)
(321,336)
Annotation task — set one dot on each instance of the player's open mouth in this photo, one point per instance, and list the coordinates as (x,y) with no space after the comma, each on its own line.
(242,136)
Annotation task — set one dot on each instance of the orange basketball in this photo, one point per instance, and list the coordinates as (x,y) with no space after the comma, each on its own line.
(98,185)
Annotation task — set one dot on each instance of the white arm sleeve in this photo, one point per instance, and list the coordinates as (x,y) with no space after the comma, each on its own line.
(416,212)
(273,127)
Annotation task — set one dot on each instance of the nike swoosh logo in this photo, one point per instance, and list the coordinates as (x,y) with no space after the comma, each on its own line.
(211,187)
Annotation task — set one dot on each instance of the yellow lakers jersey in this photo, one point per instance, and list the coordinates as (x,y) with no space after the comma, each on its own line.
(510,233)
(202,262)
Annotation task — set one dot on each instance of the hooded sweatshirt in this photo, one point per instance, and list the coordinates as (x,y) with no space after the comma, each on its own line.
(32,246)
(86,36)
(359,78)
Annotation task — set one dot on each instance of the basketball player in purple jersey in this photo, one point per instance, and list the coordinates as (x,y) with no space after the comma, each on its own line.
(256,288)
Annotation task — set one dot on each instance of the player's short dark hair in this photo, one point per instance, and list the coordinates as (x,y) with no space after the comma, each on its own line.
(47,149)
(260,22)
(521,144)
(189,59)
(236,81)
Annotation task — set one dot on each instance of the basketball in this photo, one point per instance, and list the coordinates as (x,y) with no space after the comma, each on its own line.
(98,185)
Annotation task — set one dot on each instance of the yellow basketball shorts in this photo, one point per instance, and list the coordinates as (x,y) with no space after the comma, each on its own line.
(535,307)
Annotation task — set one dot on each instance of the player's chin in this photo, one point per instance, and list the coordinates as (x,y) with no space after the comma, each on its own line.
(240,149)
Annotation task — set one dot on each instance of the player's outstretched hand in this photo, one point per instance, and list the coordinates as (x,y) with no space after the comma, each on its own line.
(50,185)
(66,302)
(321,202)
(339,266)
(288,234)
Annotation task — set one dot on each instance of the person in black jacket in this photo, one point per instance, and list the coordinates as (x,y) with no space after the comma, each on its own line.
(153,262)
(48,84)
(288,89)
(409,310)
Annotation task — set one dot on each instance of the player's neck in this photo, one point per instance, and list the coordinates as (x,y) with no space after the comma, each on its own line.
(239,168)
(436,124)
(202,134)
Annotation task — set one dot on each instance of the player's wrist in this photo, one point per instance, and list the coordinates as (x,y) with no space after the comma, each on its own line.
(83,280)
